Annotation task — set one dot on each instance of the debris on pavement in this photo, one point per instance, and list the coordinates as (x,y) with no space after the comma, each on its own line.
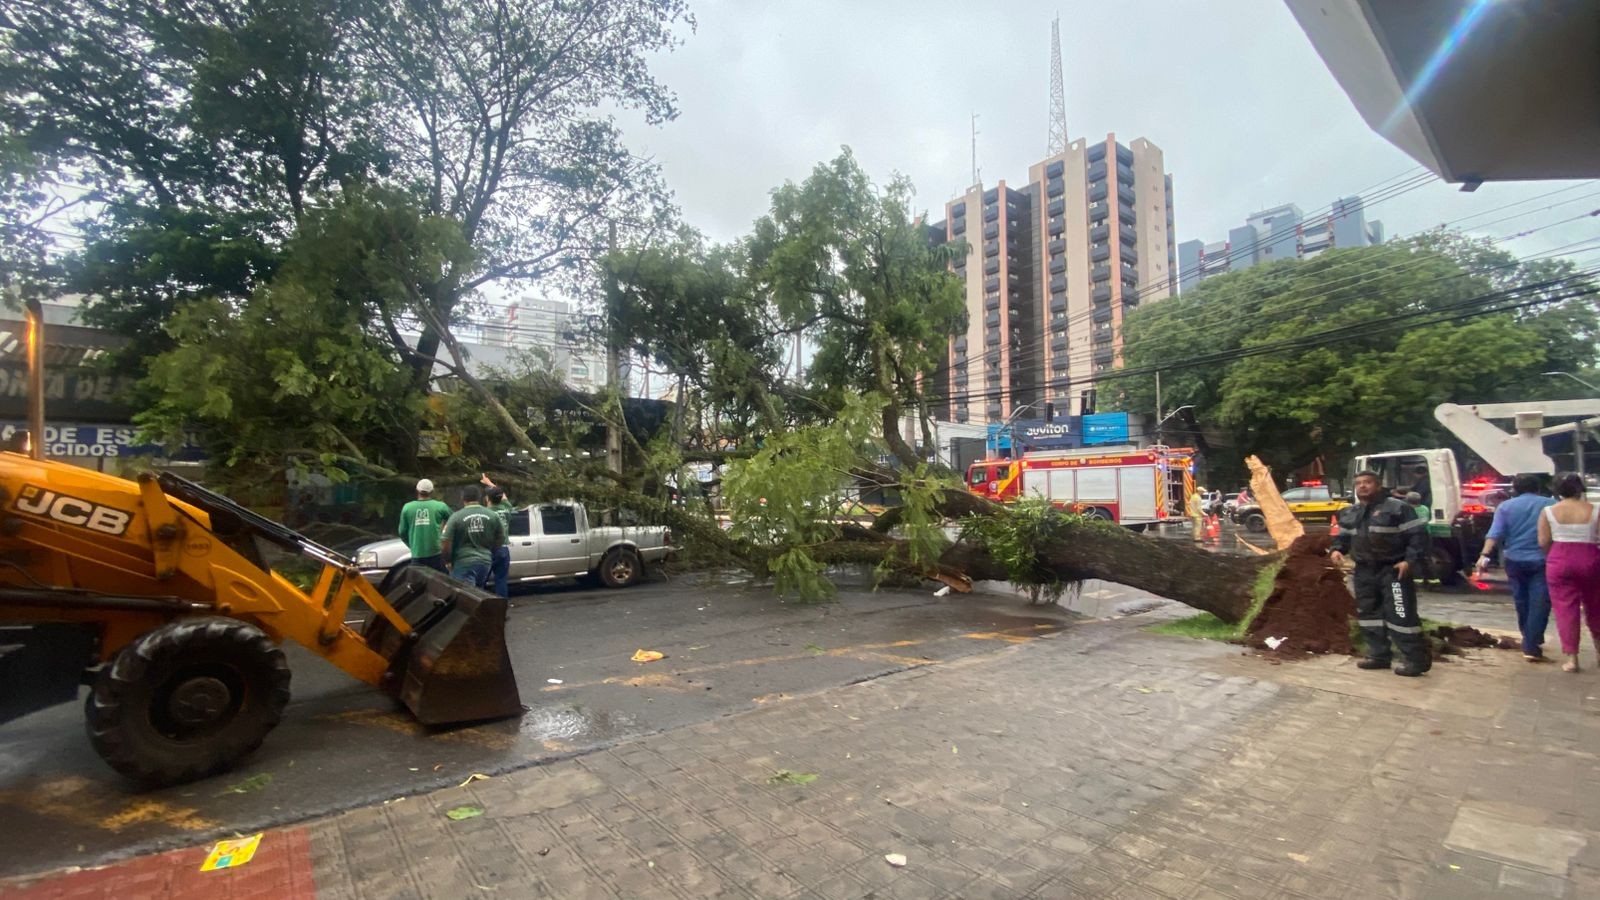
(644,656)
(1274,643)
(249,785)
(942,592)
(228,854)
(898,860)
(554,681)
(464,812)
(475,776)
(784,776)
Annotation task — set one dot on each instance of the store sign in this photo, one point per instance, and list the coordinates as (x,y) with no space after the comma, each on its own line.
(1105,428)
(87,441)
(1064,433)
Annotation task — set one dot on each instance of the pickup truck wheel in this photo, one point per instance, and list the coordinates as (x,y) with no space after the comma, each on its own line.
(620,568)
(187,700)
(1255,523)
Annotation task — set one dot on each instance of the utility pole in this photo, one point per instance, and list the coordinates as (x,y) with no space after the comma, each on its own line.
(613,366)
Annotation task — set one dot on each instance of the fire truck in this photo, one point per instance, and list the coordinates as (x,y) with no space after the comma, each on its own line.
(1126,485)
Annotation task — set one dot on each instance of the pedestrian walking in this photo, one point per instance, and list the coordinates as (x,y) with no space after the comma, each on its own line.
(1515,532)
(1388,544)
(422,526)
(500,563)
(1571,541)
(470,538)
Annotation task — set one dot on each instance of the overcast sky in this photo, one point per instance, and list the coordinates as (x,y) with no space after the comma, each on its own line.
(1232,91)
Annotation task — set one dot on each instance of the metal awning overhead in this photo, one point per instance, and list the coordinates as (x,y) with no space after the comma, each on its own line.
(1476,90)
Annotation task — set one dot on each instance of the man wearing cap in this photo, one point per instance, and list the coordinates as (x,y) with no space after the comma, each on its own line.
(470,538)
(500,564)
(422,525)
(1389,545)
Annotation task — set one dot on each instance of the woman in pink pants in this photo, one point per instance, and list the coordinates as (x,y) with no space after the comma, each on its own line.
(1568,534)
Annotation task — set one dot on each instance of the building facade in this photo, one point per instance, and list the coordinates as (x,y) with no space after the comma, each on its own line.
(1050,269)
(549,327)
(1283,232)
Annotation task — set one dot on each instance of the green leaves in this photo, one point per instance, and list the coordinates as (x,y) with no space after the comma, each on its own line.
(1375,391)
(1017,536)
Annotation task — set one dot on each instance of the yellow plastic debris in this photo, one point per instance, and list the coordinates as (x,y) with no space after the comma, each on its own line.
(227,854)
(648,655)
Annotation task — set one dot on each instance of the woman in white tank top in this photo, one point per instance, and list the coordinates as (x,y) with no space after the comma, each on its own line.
(1570,536)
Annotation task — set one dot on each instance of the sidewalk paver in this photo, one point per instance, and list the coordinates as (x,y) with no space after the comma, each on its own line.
(1098,762)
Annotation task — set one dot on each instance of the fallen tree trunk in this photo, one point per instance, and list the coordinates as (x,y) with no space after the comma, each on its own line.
(1220,585)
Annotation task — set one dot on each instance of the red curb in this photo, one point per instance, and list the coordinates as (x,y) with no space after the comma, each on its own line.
(281,869)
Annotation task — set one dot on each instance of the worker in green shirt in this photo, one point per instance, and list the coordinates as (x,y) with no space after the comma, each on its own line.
(470,538)
(500,565)
(422,525)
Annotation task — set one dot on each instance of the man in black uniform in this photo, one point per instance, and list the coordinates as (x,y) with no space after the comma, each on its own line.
(1388,543)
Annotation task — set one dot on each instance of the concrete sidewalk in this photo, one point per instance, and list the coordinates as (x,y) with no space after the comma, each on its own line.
(1099,762)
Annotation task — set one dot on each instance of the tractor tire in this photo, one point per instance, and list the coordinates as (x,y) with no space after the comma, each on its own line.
(620,568)
(1255,523)
(187,700)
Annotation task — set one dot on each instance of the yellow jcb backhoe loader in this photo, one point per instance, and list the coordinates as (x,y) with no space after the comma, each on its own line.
(155,593)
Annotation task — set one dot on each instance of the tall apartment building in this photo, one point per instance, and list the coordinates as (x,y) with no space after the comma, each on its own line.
(1050,270)
(1283,232)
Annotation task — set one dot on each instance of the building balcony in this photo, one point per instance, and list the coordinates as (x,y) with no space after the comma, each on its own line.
(991,285)
(1055,187)
(1060,363)
(1058,265)
(991,231)
(1129,255)
(1101,294)
(991,344)
(1124,155)
(1103,355)
(1058,305)
(1055,169)
(1058,283)
(991,195)
(1126,215)
(1125,195)
(1100,232)
(1100,253)
(1124,175)
(1096,152)
(1056,207)
(990,213)
(1057,247)
(992,267)
(1130,277)
(959,227)
(1096,171)
(1098,192)
(1100,273)
(961,415)
(991,248)
(1057,226)
(961,344)
(1058,345)
(1102,312)
(958,210)
(992,320)
(1127,234)
(991,302)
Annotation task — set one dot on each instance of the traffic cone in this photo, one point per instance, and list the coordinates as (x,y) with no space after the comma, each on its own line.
(1214,528)
(1333,529)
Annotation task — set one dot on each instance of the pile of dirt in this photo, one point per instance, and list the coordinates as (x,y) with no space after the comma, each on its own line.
(1455,639)
(1310,609)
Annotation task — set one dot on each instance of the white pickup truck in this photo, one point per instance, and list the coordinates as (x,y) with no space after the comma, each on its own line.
(550,541)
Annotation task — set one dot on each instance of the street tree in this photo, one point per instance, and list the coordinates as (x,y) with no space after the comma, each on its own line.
(1419,326)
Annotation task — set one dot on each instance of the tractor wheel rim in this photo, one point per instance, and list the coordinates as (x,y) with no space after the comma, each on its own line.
(199,702)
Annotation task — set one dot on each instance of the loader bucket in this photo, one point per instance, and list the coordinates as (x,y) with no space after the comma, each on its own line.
(454,667)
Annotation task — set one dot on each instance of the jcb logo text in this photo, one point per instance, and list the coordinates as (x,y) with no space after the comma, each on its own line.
(38,501)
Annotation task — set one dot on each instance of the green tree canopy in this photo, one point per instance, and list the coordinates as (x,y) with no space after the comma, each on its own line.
(1418,323)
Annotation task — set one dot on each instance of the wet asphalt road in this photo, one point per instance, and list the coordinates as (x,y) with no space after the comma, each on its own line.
(730,647)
